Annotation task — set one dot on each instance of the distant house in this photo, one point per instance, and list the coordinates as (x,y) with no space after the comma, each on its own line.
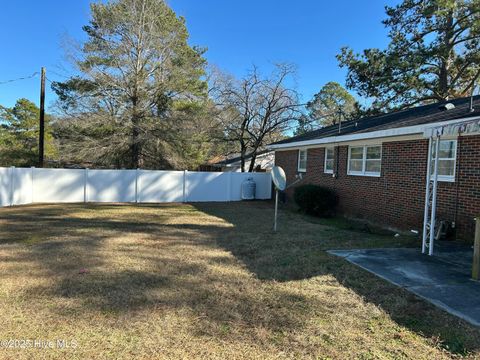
(264,162)
(378,165)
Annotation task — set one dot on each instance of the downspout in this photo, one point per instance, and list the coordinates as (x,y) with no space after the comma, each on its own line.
(337,160)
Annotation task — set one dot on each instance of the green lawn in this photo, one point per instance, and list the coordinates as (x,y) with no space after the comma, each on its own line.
(206,281)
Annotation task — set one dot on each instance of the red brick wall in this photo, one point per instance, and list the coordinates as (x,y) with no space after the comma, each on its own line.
(396,198)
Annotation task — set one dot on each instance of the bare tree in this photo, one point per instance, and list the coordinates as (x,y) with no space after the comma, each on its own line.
(137,75)
(256,109)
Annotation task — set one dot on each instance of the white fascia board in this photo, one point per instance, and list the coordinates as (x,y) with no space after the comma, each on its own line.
(401,131)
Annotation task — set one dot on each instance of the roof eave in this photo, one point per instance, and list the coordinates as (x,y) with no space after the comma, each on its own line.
(401,131)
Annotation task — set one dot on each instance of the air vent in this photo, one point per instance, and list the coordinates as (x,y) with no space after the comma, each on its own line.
(447,106)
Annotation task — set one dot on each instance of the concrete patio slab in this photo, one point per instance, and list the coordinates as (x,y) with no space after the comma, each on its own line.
(443,279)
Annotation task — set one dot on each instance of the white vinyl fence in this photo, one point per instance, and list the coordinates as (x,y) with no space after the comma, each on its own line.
(31,185)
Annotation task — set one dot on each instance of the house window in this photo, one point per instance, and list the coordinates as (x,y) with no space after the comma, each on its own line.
(302,160)
(328,166)
(365,160)
(447,155)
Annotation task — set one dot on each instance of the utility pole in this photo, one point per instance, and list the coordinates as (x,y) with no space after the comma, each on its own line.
(41,139)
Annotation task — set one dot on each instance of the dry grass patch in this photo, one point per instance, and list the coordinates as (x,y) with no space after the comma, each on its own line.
(205,281)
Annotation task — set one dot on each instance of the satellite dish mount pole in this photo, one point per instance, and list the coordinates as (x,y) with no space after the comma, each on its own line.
(276,210)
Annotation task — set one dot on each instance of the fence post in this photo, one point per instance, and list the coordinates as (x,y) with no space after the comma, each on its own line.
(476,252)
(85,186)
(12,169)
(33,169)
(136,185)
(229,186)
(185,185)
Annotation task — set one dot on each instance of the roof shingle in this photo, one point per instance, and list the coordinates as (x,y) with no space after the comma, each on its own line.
(419,115)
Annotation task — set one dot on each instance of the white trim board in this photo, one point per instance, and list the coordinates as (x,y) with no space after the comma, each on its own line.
(376,141)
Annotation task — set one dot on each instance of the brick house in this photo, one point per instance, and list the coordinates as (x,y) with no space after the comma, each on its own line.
(378,166)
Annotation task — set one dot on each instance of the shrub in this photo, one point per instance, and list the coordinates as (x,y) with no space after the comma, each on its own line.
(316,200)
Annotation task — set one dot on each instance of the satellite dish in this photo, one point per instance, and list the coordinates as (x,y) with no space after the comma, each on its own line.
(280,181)
(279,178)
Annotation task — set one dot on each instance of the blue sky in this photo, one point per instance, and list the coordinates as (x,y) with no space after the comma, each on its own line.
(237,34)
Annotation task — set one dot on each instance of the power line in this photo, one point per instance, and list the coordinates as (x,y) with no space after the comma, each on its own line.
(21,78)
(59,75)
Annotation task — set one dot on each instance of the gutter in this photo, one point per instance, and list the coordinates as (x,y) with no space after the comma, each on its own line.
(401,131)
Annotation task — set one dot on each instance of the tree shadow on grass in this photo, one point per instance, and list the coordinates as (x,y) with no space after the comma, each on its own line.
(298,251)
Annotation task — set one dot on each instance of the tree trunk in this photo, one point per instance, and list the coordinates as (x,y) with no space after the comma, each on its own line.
(243,151)
(135,148)
(252,161)
(444,88)
(443,81)
(135,143)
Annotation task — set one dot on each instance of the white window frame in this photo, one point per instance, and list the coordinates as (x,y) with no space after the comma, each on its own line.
(364,161)
(299,169)
(325,170)
(447,178)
